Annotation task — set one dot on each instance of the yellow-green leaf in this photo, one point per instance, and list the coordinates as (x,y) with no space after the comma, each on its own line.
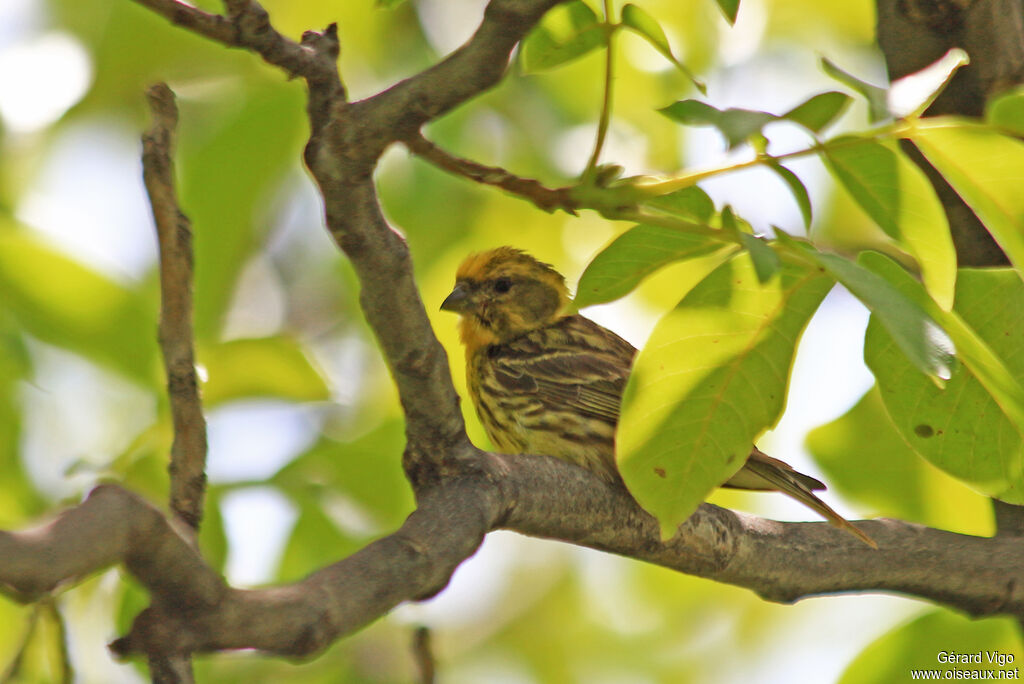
(712,377)
(69,305)
(261,367)
(987,171)
(972,428)
(897,195)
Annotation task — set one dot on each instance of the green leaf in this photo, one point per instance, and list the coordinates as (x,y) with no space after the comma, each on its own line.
(766,261)
(388,4)
(647,26)
(1007,112)
(69,305)
(213,538)
(366,470)
(737,125)
(987,171)
(263,367)
(818,112)
(639,20)
(636,254)
(729,8)
(865,459)
(315,542)
(729,221)
(797,189)
(878,106)
(229,168)
(972,428)
(897,195)
(566,32)
(20,500)
(689,203)
(915,332)
(918,644)
(712,377)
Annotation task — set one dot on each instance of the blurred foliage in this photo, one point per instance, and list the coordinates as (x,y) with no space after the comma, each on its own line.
(929,641)
(277,317)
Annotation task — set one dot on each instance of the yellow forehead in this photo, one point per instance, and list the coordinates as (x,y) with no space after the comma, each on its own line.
(505,261)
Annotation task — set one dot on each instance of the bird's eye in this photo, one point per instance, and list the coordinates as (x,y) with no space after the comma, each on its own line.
(502,285)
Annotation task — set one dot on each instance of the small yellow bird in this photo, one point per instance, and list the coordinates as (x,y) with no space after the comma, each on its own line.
(547,382)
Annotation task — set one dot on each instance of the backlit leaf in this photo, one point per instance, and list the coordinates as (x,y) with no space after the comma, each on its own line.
(987,171)
(69,305)
(647,26)
(915,332)
(895,193)
(1007,111)
(818,112)
(920,643)
(797,189)
(636,254)
(566,32)
(878,106)
(865,459)
(914,93)
(766,261)
(712,377)
(736,125)
(972,428)
(262,367)
(690,203)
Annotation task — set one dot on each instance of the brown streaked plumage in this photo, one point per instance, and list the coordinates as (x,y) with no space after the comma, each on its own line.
(548,382)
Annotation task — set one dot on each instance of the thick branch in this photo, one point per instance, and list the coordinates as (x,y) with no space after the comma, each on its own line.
(193,610)
(463,493)
(347,139)
(341,154)
(400,111)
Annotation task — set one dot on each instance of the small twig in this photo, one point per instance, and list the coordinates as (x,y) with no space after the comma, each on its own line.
(13,670)
(212,26)
(67,672)
(543,197)
(606,98)
(188,452)
(423,654)
(248,26)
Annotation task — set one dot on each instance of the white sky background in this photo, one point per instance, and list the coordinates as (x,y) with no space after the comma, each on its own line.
(91,162)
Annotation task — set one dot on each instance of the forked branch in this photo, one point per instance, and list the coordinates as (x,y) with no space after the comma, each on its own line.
(462,493)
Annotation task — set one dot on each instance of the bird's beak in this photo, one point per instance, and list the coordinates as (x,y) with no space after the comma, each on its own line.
(458,300)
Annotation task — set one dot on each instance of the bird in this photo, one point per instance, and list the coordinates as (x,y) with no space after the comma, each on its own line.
(547,381)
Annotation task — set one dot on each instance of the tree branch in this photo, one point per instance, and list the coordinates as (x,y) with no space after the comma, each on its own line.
(248,26)
(193,610)
(544,198)
(174,233)
(423,655)
(462,493)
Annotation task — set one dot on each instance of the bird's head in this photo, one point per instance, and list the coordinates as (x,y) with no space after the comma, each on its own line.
(504,293)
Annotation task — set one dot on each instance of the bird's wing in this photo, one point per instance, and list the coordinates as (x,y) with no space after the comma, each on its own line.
(575,365)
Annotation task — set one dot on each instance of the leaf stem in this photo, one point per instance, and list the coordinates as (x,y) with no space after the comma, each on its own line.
(606,102)
(665,186)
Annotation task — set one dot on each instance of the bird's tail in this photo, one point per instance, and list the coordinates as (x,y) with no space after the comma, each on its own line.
(762,472)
